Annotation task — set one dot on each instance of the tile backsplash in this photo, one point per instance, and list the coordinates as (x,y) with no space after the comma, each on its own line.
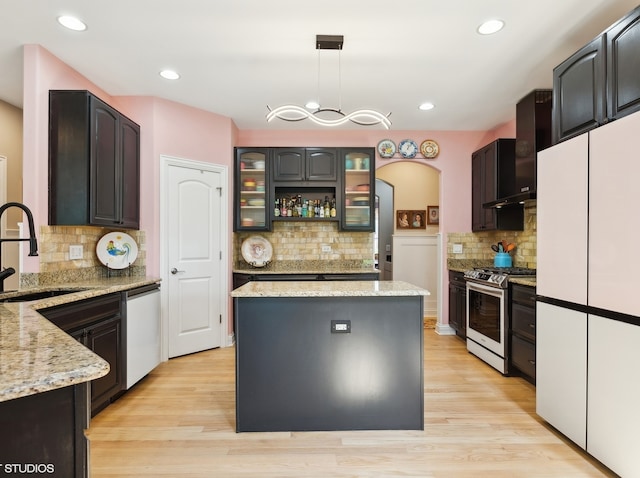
(304,240)
(56,267)
(476,246)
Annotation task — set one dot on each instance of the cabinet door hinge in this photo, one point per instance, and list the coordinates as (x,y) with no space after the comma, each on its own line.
(220,255)
(220,318)
(219,190)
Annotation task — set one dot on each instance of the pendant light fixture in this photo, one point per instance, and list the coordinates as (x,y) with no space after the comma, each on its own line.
(364,117)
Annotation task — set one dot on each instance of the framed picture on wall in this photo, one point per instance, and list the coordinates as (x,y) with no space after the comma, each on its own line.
(433,215)
(411,219)
(417,219)
(403,219)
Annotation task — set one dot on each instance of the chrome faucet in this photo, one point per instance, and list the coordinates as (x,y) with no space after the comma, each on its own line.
(33,243)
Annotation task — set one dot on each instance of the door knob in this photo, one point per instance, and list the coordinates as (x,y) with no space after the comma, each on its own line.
(175,271)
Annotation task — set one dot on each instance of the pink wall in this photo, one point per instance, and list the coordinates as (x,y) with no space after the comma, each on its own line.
(167,128)
(176,130)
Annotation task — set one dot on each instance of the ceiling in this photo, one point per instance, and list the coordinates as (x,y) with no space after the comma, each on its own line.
(236,57)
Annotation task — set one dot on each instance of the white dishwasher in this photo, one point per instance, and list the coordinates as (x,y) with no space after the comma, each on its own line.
(142,332)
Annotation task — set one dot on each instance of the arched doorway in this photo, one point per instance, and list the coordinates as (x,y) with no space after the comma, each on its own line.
(415,254)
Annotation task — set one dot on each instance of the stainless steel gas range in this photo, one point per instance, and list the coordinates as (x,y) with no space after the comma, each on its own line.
(488,313)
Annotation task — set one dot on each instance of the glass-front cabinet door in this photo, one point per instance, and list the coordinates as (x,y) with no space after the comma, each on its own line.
(251,190)
(358,169)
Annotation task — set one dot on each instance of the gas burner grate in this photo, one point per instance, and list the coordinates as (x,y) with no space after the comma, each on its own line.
(513,271)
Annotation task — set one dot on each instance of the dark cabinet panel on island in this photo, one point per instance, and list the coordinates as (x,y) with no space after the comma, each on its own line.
(44,434)
(94,162)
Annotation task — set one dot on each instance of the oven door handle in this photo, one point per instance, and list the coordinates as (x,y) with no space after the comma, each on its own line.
(484,289)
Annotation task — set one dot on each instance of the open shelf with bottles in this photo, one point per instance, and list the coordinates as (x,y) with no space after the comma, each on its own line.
(296,203)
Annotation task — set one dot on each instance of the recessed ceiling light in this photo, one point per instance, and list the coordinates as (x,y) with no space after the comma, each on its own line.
(426,106)
(72,23)
(490,26)
(312,105)
(169,75)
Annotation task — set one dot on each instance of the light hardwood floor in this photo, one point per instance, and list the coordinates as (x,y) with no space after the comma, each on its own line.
(180,422)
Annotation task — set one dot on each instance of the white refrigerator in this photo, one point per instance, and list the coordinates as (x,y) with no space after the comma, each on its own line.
(588,312)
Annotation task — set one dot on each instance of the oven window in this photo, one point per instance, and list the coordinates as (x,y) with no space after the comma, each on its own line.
(484,314)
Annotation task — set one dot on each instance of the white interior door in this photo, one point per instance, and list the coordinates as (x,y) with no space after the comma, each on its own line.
(194,272)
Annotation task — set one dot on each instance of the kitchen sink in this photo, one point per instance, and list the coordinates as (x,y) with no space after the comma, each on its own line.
(44,294)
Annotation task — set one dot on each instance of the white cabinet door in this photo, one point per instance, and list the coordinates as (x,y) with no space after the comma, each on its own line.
(614,394)
(562,221)
(561,370)
(614,219)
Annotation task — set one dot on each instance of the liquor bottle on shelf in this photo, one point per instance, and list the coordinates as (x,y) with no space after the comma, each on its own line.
(276,208)
(334,211)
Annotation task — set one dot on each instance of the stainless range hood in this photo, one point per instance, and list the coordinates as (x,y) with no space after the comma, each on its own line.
(533,134)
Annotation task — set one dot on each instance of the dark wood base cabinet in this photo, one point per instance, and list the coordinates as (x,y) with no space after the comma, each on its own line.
(43,434)
(523,331)
(97,324)
(458,303)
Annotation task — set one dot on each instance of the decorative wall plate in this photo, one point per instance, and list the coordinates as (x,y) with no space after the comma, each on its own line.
(117,250)
(386,148)
(429,148)
(408,148)
(257,251)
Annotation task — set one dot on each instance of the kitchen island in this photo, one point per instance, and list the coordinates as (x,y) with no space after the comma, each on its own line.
(45,377)
(329,355)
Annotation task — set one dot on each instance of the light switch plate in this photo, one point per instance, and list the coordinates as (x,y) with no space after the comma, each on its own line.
(75,252)
(457,248)
(326,248)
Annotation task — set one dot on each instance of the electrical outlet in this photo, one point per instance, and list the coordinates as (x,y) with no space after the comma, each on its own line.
(75,252)
(326,248)
(457,248)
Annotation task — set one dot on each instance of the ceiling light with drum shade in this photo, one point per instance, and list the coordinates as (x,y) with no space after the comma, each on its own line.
(318,114)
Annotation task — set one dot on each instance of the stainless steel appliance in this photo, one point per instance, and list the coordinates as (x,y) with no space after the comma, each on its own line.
(488,313)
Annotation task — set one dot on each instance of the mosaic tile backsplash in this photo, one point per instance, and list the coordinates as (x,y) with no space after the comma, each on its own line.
(476,246)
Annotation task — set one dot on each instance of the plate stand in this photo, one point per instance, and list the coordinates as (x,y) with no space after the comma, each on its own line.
(127,271)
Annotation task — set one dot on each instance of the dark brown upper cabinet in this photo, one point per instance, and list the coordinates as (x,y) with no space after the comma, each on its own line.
(600,82)
(493,177)
(623,66)
(94,163)
(579,101)
(305,164)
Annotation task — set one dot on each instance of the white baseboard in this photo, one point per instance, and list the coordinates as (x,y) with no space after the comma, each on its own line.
(231,340)
(442,329)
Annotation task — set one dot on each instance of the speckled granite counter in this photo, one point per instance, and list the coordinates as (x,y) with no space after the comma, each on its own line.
(528,281)
(306,267)
(329,289)
(35,355)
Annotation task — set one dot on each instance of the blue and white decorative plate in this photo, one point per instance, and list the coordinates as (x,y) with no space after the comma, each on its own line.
(408,148)
(117,250)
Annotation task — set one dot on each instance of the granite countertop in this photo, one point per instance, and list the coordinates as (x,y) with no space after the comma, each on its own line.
(303,269)
(35,355)
(328,289)
(528,281)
